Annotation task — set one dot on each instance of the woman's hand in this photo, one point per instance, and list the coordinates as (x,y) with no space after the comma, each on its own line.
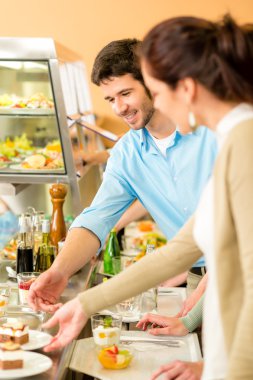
(179,370)
(71,319)
(160,325)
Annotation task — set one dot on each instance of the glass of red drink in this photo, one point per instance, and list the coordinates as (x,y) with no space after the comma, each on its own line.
(25,280)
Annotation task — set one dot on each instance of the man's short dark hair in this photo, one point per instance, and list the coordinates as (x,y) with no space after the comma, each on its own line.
(116,59)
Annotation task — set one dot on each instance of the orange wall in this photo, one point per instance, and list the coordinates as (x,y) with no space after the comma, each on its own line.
(86,26)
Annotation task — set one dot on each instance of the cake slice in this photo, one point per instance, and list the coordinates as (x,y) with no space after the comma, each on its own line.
(16,332)
(11,356)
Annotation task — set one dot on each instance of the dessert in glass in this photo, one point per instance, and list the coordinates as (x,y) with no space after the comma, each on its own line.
(106,329)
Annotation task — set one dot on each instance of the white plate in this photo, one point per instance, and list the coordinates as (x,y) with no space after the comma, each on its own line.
(131,252)
(21,169)
(34,363)
(134,318)
(37,339)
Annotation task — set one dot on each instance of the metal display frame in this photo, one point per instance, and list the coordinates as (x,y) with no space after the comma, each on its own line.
(47,50)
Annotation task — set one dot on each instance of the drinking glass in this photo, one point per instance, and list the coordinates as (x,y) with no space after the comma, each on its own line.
(148,302)
(25,280)
(117,264)
(130,307)
(106,329)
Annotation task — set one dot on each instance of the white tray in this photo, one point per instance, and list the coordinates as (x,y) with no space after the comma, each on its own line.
(148,357)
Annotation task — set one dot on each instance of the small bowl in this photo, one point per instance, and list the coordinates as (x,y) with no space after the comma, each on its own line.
(115,357)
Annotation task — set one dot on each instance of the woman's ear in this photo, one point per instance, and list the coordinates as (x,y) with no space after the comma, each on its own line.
(188,90)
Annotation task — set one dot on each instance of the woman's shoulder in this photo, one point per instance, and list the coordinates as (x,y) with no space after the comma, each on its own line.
(242,131)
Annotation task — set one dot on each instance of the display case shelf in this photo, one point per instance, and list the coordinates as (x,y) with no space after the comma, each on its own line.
(40,83)
(26,112)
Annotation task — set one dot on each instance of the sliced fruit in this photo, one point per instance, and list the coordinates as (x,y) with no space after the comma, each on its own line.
(113,358)
(146,225)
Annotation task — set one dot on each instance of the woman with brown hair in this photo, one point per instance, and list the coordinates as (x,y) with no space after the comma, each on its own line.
(200,72)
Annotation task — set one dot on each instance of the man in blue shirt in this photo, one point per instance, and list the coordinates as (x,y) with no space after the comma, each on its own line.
(153,163)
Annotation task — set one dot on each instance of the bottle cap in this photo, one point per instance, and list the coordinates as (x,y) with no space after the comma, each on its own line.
(45,226)
(25,223)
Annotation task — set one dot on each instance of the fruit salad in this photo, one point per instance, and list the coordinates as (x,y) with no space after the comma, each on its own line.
(115,357)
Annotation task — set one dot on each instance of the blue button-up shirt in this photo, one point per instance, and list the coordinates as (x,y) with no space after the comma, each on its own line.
(168,187)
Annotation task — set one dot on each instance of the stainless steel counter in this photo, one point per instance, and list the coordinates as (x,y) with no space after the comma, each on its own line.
(61,359)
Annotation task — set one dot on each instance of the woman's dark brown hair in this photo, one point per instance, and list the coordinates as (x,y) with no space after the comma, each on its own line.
(218,55)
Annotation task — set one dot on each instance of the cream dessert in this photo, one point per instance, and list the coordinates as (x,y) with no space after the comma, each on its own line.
(16,332)
(106,336)
(11,356)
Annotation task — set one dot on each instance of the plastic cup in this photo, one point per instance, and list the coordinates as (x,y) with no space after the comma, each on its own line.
(148,301)
(117,264)
(25,280)
(130,307)
(106,329)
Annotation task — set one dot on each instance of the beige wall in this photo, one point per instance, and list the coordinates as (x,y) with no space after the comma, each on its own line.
(87,25)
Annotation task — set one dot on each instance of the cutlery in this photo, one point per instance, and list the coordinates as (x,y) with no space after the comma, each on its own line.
(129,340)
(128,343)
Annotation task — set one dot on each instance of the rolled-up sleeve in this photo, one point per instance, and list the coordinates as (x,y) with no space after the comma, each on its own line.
(114,196)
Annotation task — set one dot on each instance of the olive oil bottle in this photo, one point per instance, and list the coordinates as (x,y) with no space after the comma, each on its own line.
(112,250)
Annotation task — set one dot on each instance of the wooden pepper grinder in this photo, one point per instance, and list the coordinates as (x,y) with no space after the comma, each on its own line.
(58,193)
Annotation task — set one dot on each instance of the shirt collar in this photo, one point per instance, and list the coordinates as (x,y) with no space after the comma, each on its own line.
(147,142)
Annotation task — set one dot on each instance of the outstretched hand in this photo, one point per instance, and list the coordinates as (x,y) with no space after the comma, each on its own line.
(71,319)
(159,325)
(46,290)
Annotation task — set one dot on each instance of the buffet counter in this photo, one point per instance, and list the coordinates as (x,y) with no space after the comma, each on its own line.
(61,359)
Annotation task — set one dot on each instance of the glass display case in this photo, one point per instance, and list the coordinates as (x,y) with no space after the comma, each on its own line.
(30,136)
(41,82)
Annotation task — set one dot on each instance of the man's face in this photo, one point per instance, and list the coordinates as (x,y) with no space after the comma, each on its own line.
(129,100)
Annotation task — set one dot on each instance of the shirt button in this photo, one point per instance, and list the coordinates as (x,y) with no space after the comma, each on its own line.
(185,209)
(175,179)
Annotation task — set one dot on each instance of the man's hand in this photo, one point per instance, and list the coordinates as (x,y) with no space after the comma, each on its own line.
(46,290)
(71,319)
(180,370)
(162,325)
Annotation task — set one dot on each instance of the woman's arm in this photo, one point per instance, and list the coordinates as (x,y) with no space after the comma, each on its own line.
(194,297)
(178,255)
(175,257)
(194,317)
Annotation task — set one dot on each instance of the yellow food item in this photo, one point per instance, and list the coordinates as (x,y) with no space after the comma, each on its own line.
(36,161)
(114,358)
(54,146)
(146,225)
(139,256)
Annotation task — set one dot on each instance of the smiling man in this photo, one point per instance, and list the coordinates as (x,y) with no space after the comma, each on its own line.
(153,163)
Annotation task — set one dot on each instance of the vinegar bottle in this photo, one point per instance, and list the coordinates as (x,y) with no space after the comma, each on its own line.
(57,228)
(25,246)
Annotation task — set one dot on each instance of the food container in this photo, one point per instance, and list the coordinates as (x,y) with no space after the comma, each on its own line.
(115,357)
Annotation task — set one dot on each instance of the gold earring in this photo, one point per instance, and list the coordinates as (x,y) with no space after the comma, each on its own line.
(192,121)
